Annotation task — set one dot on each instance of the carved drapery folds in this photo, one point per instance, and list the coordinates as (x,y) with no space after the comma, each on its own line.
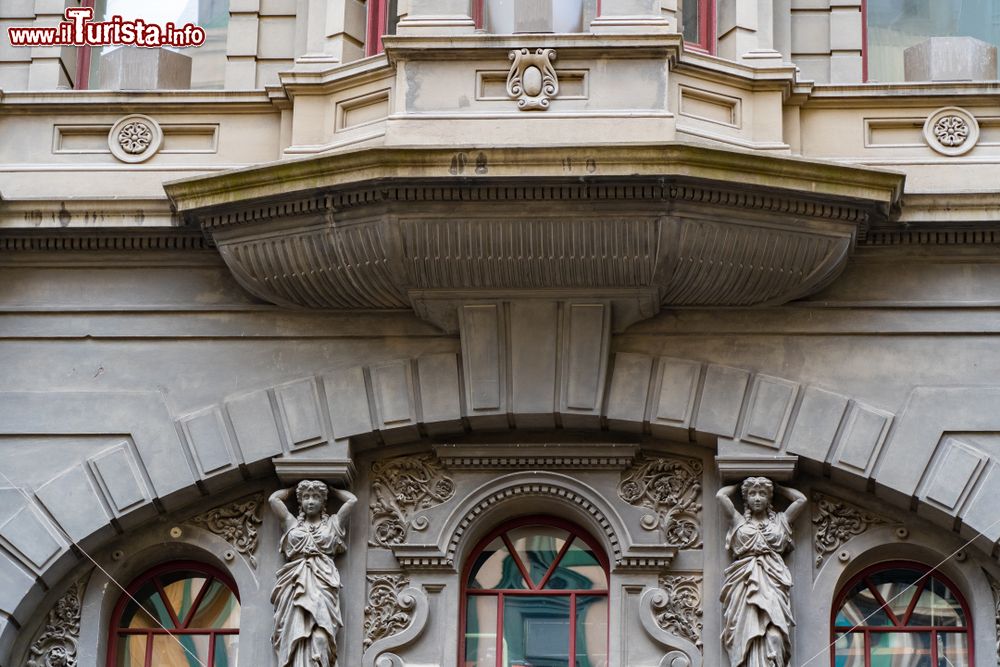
(385,616)
(681,610)
(400,488)
(57,643)
(236,523)
(995,587)
(835,522)
(671,487)
(532,79)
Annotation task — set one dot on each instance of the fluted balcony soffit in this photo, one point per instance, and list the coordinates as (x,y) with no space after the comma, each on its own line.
(645,227)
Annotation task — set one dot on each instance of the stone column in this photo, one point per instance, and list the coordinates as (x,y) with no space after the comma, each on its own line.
(636,16)
(845,41)
(435,17)
(746,31)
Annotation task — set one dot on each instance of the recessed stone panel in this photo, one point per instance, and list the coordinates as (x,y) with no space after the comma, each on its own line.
(298,404)
(585,360)
(629,392)
(674,396)
(771,402)
(28,535)
(953,474)
(980,513)
(483,359)
(534,326)
(440,406)
(863,437)
(19,593)
(392,385)
(120,478)
(206,432)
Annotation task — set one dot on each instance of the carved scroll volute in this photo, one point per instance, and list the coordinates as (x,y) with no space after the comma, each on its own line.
(532,79)
(671,488)
(400,488)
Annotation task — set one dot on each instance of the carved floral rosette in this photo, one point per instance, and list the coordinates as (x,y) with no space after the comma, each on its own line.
(681,610)
(671,487)
(384,615)
(400,488)
(236,523)
(56,645)
(532,79)
(835,522)
(135,138)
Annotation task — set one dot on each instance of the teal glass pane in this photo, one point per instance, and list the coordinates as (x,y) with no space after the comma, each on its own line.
(901,649)
(131,651)
(937,606)
(897,587)
(861,608)
(536,631)
(537,547)
(480,631)
(591,631)
(218,609)
(849,650)
(953,649)
(181,589)
(151,612)
(495,568)
(579,569)
(226,650)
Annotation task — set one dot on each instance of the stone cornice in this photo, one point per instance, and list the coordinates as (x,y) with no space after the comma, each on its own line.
(92,101)
(284,179)
(477,46)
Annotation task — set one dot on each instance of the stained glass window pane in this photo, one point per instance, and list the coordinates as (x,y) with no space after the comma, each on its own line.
(537,547)
(897,587)
(591,631)
(849,650)
(937,606)
(218,609)
(226,650)
(495,568)
(862,608)
(901,649)
(480,631)
(953,649)
(153,612)
(180,650)
(131,651)
(182,590)
(536,630)
(578,569)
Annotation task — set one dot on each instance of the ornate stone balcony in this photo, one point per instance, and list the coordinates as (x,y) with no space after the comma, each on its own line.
(642,227)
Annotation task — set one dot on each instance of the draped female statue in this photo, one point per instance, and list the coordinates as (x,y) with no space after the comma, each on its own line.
(756,589)
(306,595)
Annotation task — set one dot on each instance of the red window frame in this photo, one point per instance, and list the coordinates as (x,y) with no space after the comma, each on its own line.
(378,23)
(211,573)
(867,630)
(84,54)
(540,521)
(706,27)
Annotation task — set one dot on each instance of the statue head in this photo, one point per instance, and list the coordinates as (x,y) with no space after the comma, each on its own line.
(312,496)
(758,492)
(57,656)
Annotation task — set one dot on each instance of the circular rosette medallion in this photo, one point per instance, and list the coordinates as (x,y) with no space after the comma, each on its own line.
(135,138)
(951,131)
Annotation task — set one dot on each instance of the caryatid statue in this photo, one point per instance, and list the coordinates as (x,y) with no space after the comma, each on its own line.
(306,595)
(756,590)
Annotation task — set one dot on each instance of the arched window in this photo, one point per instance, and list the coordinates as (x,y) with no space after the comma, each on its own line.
(196,603)
(535,592)
(900,614)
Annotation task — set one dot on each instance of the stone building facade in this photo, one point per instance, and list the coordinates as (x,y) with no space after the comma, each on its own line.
(536,283)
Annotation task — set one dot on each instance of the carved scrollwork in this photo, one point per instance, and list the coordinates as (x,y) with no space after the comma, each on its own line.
(995,587)
(385,615)
(680,651)
(236,523)
(532,79)
(401,487)
(681,611)
(671,487)
(835,522)
(57,643)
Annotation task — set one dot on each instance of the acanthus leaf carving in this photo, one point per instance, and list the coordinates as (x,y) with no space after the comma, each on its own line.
(385,616)
(532,79)
(56,645)
(835,522)
(236,523)
(995,587)
(681,610)
(671,487)
(401,487)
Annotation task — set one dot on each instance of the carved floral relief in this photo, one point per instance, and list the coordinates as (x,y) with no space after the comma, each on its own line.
(400,488)
(384,615)
(236,523)
(681,610)
(671,487)
(56,645)
(835,522)
(995,587)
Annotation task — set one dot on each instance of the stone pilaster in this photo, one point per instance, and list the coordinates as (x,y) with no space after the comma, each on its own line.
(435,17)
(636,16)
(746,31)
